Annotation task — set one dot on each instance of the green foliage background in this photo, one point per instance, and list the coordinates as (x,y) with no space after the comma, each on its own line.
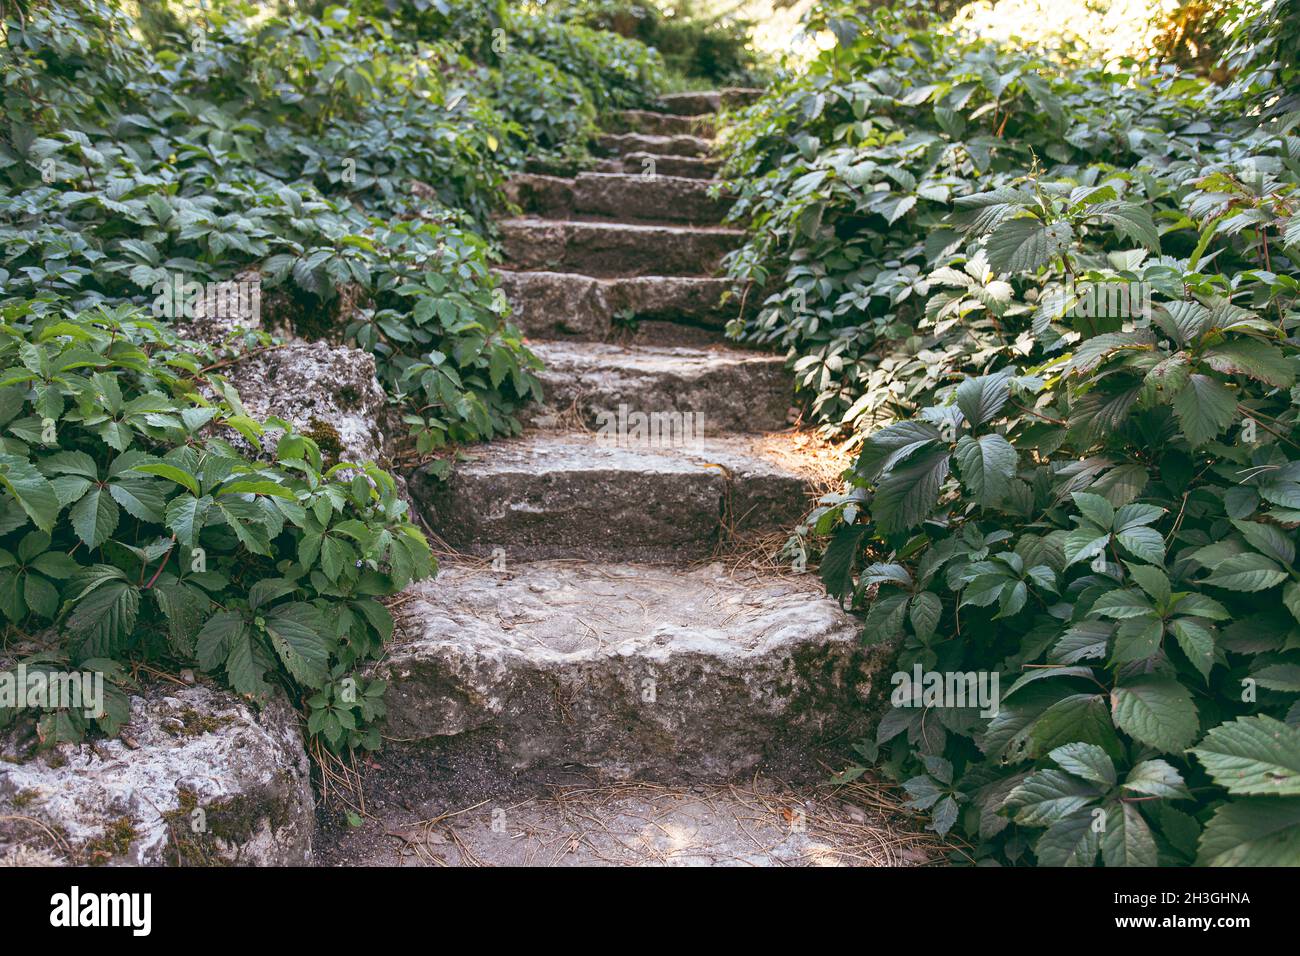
(1099,505)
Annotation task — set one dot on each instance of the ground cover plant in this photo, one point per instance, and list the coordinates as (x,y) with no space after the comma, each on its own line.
(348,157)
(1055,306)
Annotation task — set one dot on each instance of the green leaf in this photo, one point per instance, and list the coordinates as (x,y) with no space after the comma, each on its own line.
(1204,409)
(927,609)
(94,517)
(34,494)
(1049,796)
(1246,572)
(987,465)
(908,493)
(980,399)
(1127,840)
(1157,711)
(1157,778)
(1253,755)
(1026,243)
(1253,832)
(1252,358)
(1197,641)
(1087,761)
(178,475)
(837,562)
(1123,603)
(103,619)
(243,669)
(1153,581)
(186,516)
(297,632)
(1268,539)
(1069,842)
(212,646)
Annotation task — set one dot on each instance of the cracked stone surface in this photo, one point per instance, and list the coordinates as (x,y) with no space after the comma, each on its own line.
(640,161)
(554,305)
(733,391)
(660,124)
(329,392)
(678,145)
(581,494)
(627,196)
(695,102)
(132,800)
(616,248)
(629,670)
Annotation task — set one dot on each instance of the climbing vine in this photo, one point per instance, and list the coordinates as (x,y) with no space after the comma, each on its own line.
(1055,306)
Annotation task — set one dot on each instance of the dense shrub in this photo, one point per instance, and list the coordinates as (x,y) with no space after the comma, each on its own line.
(351,157)
(714,49)
(1056,308)
(138,520)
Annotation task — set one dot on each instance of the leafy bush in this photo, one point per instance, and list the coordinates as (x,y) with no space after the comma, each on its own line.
(147,516)
(715,49)
(1057,309)
(352,160)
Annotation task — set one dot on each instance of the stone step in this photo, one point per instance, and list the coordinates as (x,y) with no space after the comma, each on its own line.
(707,101)
(629,670)
(623,196)
(129,800)
(641,162)
(583,822)
(658,124)
(616,249)
(620,144)
(620,494)
(556,305)
(726,389)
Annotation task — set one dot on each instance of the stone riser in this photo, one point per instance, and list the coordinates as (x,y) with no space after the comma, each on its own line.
(621,196)
(551,305)
(708,101)
(640,162)
(733,391)
(615,249)
(659,124)
(627,670)
(554,495)
(620,144)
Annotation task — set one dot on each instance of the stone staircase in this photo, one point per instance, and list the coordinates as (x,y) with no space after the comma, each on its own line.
(587,621)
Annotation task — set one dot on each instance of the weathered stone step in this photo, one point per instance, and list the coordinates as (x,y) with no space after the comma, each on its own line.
(658,124)
(624,196)
(578,821)
(707,101)
(620,144)
(630,670)
(623,493)
(552,305)
(729,390)
(616,249)
(130,800)
(642,163)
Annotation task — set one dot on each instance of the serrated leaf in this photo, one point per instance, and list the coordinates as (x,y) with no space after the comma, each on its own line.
(1157,711)
(1253,755)
(1253,832)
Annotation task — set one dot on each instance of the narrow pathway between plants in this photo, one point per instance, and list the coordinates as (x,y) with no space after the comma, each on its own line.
(598,663)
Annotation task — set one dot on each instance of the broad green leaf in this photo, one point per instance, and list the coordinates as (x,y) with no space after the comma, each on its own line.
(1258,831)
(1253,755)
(1204,409)
(987,465)
(1127,840)
(1157,711)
